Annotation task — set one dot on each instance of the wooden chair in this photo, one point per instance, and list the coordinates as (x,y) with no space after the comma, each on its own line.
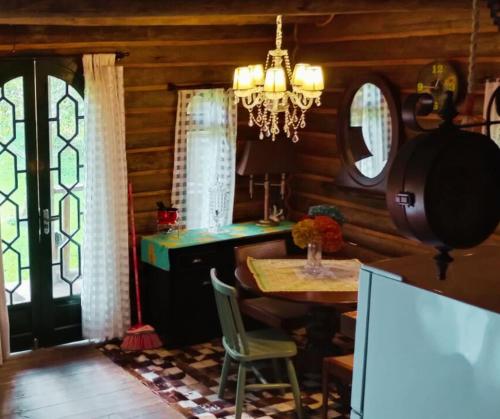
(244,348)
(339,370)
(270,311)
(348,324)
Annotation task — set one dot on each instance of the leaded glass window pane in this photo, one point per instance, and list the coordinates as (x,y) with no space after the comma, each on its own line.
(13,193)
(66,125)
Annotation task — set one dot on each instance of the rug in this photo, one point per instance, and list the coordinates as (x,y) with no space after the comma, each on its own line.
(188,380)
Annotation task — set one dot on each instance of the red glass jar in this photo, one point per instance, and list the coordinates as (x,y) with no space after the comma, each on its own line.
(168,216)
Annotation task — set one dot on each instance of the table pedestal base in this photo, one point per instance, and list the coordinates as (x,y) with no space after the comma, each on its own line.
(321,329)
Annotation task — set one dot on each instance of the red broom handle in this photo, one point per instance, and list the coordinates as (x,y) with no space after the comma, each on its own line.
(134,254)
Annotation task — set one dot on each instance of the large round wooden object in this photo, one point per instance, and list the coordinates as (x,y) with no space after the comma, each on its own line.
(444,188)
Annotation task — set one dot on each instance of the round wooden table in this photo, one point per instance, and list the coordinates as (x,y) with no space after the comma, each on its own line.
(324,321)
(337,299)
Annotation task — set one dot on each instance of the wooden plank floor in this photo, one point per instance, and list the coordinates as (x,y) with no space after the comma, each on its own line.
(74,381)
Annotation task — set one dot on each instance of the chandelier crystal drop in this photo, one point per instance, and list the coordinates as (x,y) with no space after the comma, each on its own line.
(270,89)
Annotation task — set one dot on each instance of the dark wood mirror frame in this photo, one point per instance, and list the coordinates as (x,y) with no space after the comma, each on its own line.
(349,175)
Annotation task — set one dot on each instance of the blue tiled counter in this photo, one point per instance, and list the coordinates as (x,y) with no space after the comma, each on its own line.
(155,249)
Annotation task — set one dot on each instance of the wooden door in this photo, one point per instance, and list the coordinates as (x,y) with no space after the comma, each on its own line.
(41,199)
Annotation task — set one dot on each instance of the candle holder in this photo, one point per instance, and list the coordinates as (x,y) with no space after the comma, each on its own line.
(267,184)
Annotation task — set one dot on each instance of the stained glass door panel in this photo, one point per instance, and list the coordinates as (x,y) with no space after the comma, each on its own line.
(66,126)
(13,193)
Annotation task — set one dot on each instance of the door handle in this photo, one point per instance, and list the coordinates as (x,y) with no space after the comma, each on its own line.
(47,219)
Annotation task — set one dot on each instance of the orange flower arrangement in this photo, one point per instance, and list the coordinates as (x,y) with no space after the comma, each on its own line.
(318,228)
(330,232)
(305,232)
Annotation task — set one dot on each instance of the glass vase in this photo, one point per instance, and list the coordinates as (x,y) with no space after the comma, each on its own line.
(314,256)
(218,207)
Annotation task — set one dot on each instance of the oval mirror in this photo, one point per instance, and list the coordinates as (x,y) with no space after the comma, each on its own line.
(368,133)
(369,110)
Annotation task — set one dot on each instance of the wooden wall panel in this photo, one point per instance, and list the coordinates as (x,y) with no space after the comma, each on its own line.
(159,56)
(395,45)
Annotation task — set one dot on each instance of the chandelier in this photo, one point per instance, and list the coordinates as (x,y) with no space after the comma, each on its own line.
(266,91)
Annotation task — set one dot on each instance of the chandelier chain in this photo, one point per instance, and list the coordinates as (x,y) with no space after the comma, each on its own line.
(279,35)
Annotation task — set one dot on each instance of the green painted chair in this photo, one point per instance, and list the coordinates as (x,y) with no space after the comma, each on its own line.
(244,348)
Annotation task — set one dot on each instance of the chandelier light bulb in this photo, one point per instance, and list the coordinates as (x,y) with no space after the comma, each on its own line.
(299,74)
(242,80)
(313,82)
(258,75)
(275,83)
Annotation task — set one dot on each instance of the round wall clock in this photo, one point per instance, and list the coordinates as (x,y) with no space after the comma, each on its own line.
(436,79)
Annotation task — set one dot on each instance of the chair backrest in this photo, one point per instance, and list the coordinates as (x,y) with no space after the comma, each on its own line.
(274,249)
(226,298)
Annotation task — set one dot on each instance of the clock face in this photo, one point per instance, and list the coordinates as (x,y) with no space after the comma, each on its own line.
(436,79)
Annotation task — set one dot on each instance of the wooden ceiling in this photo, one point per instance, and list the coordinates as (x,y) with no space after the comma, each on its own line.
(202,12)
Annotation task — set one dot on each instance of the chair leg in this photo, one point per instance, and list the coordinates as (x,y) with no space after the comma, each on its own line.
(240,390)
(324,387)
(345,396)
(295,387)
(223,376)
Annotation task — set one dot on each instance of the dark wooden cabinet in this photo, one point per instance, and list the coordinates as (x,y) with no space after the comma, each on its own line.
(180,302)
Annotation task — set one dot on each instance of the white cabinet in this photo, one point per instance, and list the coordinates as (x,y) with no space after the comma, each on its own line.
(429,349)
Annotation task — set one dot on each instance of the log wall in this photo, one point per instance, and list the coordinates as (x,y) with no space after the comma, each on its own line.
(395,45)
(158,56)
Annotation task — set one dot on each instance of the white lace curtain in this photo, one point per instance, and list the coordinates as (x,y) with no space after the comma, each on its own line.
(4,317)
(205,154)
(105,257)
(489,88)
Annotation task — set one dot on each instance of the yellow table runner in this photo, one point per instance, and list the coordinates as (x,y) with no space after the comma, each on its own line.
(287,275)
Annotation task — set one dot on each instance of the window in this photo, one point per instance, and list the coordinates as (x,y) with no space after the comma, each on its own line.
(206,130)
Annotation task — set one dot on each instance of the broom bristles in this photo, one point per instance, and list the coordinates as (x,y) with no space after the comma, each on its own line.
(141,337)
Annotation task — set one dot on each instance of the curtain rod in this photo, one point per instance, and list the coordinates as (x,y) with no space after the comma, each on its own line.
(15,55)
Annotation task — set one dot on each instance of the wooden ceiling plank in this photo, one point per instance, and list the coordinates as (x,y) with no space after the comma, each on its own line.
(90,45)
(364,27)
(47,37)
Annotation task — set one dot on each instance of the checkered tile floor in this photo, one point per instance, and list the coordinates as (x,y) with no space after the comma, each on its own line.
(188,381)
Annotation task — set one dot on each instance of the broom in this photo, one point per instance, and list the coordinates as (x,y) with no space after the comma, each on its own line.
(140,336)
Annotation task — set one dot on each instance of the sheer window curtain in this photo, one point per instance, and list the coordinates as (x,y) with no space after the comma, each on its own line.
(489,88)
(4,316)
(105,258)
(205,155)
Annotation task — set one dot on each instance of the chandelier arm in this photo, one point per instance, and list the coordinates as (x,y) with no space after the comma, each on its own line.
(300,100)
(251,101)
